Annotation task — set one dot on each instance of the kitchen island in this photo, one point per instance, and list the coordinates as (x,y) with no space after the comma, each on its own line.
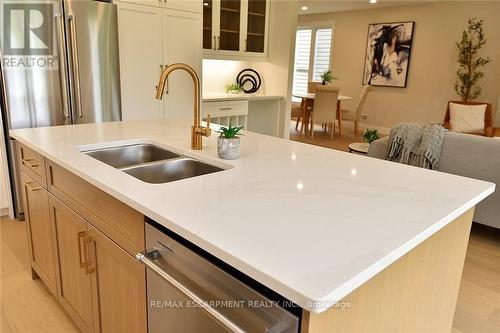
(315,225)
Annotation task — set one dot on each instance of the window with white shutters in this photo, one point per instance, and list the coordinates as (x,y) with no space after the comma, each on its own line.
(302,55)
(312,56)
(322,53)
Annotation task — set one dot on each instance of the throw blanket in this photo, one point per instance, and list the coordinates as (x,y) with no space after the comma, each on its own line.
(417,145)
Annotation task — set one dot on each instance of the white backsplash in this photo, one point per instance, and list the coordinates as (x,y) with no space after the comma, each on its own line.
(216,74)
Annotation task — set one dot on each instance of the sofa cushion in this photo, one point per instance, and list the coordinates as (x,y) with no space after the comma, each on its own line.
(467,118)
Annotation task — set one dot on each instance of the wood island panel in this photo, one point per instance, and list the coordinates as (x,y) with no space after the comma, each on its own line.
(417,293)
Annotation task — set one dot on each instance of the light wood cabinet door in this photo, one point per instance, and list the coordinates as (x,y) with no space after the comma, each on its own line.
(140,38)
(74,287)
(182,42)
(41,238)
(118,286)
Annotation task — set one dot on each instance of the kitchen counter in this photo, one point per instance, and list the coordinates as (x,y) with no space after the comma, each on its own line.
(311,223)
(238,97)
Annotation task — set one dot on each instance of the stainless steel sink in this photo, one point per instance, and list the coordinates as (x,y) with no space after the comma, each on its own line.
(171,170)
(124,156)
(151,163)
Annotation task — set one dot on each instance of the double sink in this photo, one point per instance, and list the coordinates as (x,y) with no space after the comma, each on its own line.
(151,163)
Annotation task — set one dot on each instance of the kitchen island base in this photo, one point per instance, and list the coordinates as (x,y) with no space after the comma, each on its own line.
(417,293)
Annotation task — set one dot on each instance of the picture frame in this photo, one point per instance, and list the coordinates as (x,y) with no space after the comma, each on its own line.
(388,54)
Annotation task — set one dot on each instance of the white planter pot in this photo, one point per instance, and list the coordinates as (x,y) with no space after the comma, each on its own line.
(228,149)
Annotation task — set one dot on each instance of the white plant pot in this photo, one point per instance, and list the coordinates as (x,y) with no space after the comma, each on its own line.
(228,149)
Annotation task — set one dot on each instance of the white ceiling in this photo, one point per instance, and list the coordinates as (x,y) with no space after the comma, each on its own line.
(328,6)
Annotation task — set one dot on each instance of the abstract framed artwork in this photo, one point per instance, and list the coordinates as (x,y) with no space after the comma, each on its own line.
(388,51)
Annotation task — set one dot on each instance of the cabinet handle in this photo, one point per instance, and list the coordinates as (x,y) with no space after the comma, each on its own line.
(218,43)
(33,188)
(148,259)
(246,48)
(225,109)
(215,43)
(89,265)
(32,165)
(79,237)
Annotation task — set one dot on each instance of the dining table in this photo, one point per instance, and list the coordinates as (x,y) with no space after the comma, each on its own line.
(307,103)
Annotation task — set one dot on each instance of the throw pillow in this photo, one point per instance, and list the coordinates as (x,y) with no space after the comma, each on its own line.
(467,118)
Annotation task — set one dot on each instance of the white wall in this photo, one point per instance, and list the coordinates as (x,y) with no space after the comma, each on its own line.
(433,60)
(275,70)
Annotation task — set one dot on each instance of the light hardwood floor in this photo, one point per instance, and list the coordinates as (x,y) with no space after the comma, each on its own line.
(27,306)
(323,140)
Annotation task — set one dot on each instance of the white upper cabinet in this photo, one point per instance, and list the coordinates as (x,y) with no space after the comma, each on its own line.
(186,5)
(151,37)
(181,43)
(235,29)
(140,35)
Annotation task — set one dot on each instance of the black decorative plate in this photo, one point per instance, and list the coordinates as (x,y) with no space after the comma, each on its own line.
(250,80)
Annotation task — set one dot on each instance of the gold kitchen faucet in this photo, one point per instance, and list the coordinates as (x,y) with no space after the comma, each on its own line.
(197,131)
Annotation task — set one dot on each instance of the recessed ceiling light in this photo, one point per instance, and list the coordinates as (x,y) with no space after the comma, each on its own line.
(304,8)
(373,1)
(206,3)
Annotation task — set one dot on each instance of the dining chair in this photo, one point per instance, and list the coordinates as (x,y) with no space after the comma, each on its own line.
(325,108)
(354,115)
(297,112)
(311,86)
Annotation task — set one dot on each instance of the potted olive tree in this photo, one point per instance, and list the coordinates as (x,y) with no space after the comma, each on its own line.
(470,62)
(228,142)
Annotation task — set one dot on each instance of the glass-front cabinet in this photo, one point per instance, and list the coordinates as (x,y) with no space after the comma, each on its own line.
(233,28)
(256,26)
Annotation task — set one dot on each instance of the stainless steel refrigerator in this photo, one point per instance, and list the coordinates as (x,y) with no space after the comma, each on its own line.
(83,85)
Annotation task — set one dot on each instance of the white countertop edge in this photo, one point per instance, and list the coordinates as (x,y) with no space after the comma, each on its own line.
(238,97)
(324,302)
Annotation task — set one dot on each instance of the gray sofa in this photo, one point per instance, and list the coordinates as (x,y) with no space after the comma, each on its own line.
(470,156)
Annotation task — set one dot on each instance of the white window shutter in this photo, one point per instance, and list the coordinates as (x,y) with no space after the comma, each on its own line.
(302,54)
(322,53)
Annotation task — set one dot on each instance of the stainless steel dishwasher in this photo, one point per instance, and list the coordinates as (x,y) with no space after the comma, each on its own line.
(189,290)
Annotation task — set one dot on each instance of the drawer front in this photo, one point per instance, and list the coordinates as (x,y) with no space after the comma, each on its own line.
(113,218)
(226,108)
(33,164)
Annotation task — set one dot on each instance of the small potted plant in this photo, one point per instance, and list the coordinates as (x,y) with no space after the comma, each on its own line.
(370,136)
(327,77)
(234,88)
(228,142)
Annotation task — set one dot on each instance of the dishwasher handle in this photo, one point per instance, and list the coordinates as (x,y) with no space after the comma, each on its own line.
(148,259)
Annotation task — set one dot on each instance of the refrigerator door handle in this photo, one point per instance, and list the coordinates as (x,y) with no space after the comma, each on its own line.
(75,64)
(58,19)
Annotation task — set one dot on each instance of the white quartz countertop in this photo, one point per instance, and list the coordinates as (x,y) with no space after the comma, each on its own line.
(238,97)
(311,223)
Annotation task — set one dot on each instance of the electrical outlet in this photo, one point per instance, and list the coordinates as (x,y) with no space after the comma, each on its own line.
(364,116)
